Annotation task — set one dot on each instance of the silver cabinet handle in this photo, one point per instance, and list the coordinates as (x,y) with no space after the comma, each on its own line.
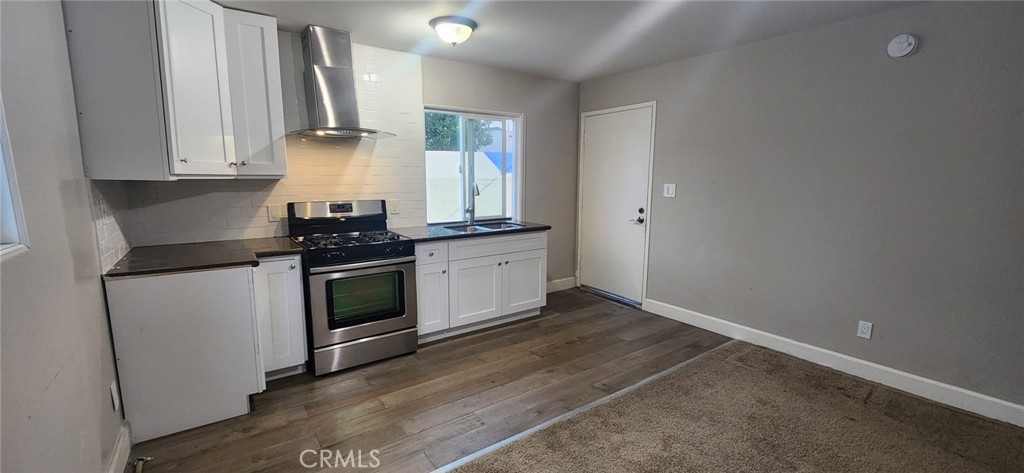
(291,267)
(245,163)
(506,263)
(499,263)
(232,164)
(430,254)
(444,271)
(184,160)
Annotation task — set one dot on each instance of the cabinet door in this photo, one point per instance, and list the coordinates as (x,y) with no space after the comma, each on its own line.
(280,312)
(525,278)
(257,110)
(474,289)
(185,346)
(432,297)
(196,90)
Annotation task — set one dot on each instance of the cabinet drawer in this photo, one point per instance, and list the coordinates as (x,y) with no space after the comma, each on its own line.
(496,245)
(431,252)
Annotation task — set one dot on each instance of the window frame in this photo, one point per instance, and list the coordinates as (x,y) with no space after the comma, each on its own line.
(519,166)
(8,250)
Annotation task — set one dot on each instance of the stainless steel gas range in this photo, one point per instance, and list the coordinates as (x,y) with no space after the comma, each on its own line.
(361,283)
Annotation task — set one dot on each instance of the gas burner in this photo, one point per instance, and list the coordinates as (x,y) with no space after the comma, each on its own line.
(336,233)
(338,240)
(379,236)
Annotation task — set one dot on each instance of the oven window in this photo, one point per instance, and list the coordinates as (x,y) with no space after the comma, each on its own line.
(362,299)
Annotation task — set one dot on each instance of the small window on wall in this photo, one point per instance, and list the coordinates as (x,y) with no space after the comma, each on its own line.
(12,227)
(464,148)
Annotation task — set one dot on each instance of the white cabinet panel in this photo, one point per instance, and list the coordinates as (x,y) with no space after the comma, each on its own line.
(186,348)
(432,252)
(493,245)
(196,85)
(475,290)
(432,297)
(254,70)
(525,277)
(280,312)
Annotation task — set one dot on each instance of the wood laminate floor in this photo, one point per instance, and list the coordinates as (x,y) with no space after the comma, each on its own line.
(448,400)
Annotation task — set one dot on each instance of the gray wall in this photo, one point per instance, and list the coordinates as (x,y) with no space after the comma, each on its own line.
(821,183)
(551,108)
(56,355)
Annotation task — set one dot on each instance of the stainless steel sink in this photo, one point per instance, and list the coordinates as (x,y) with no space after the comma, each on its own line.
(469,228)
(485,227)
(500,225)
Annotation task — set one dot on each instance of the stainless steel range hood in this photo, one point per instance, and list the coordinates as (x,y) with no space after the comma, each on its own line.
(330,86)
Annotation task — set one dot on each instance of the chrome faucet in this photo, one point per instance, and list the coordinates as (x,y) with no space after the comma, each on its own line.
(471,210)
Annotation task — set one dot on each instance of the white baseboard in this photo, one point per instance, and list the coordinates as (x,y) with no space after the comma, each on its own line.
(561,284)
(948,394)
(122,449)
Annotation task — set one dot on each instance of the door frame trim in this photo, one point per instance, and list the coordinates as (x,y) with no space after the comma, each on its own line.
(653,105)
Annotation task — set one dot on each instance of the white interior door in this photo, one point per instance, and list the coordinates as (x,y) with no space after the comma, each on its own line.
(615,164)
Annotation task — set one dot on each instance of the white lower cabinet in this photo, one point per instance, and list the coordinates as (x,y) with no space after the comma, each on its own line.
(280,312)
(475,290)
(487,278)
(525,281)
(432,297)
(186,348)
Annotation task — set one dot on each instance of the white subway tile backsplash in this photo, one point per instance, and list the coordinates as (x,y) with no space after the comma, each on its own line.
(109,217)
(318,169)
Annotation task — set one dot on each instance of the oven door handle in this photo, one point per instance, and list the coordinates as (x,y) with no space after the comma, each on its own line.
(364,264)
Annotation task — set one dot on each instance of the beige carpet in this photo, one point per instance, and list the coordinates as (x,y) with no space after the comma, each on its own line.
(747,408)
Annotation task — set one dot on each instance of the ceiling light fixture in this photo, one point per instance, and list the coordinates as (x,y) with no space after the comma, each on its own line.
(453,29)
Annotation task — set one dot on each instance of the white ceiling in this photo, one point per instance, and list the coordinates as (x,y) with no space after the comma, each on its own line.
(571,40)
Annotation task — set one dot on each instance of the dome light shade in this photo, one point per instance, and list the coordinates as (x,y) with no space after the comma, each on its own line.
(453,29)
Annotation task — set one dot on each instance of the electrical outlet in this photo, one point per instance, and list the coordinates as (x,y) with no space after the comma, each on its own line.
(114,396)
(669,191)
(274,213)
(392,207)
(864,329)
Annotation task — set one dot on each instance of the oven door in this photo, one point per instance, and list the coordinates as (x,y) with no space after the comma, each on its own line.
(354,301)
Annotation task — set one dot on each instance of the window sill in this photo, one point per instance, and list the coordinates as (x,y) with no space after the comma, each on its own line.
(10,250)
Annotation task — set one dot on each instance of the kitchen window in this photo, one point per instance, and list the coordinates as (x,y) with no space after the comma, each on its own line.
(463,148)
(12,226)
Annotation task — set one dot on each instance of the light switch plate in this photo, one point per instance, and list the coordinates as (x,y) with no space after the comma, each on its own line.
(392,207)
(670,191)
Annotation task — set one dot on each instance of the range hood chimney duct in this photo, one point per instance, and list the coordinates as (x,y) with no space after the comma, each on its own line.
(330,86)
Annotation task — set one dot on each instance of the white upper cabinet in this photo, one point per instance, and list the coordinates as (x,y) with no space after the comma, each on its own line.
(155,86)
(198,97)
(254,70)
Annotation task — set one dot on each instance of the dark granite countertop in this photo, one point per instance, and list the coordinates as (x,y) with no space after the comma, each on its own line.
(206,255)
(438,231)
